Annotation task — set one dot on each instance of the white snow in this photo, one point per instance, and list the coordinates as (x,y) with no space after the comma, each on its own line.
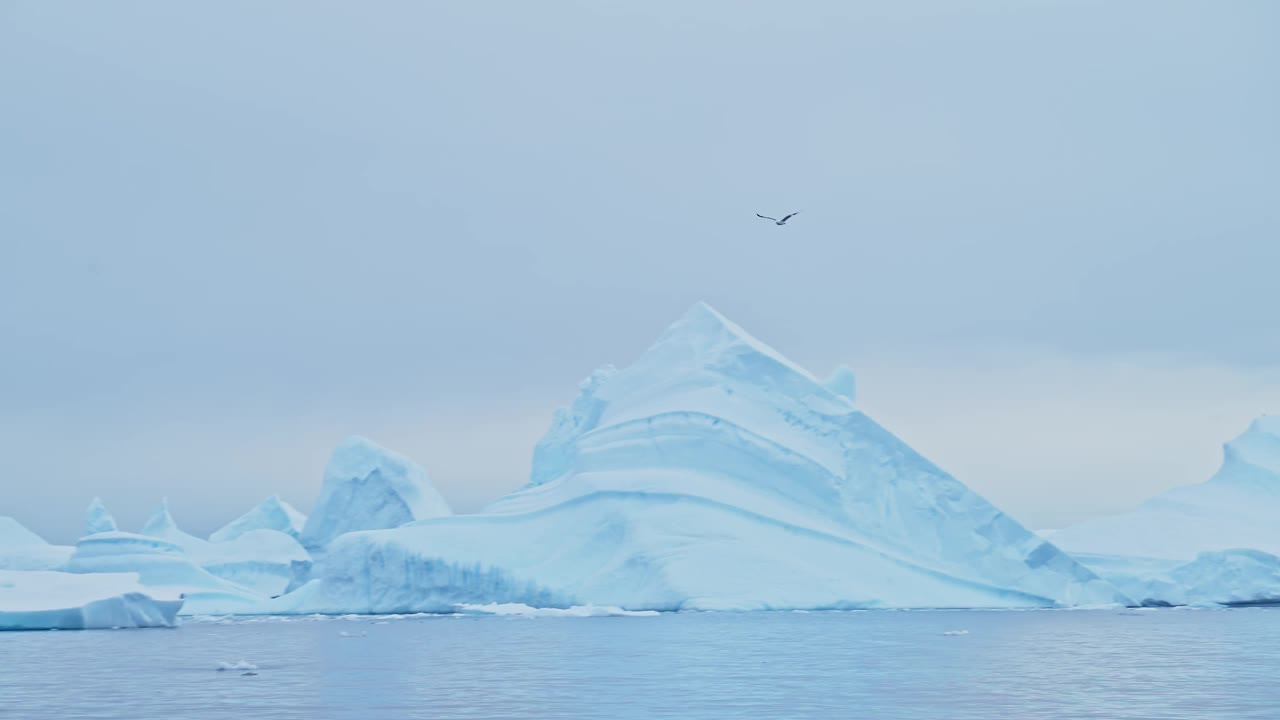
(367,487)
(42,600)
(710,474)
(270,514)
(97,519)
(238,665)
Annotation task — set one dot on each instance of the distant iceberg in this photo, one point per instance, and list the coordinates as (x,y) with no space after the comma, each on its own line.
(43,600)
(1215,542)
(712,473)
(1237,508)
(270,514)
(368,487)
(97,519)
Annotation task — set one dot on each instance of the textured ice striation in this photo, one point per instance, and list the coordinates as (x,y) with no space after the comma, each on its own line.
(712,473)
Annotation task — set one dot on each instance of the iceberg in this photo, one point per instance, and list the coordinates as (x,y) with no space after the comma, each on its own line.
(711,474)
(1215,542)
(97,519)
(43,600)
(270,514)
(164,567)
(368,487)
(21,549)
(1236,508)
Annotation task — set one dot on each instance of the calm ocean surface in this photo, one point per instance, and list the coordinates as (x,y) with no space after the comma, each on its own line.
(878,665)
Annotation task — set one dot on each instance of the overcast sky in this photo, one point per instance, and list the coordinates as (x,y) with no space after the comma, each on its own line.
(1044,234)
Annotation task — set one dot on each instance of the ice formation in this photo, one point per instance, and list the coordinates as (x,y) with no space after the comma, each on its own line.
(1236,508)
(21,549)
(711,474)
(43,600)
(367,487)
(1215,542)
(162,566)
(97,519)
(270,514)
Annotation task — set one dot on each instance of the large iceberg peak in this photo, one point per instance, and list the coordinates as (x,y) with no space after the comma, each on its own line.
(368,487)
(1256,449)
(270,514)
(97,519)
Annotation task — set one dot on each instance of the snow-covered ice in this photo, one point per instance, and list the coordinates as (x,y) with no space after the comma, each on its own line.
(42,600)
(238,665)
(712,473)
(368,487)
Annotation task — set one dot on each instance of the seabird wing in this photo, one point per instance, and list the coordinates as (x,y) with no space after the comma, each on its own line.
(766,217)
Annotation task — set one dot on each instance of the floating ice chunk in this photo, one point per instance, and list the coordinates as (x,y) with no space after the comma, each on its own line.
(953,633)
(239,665)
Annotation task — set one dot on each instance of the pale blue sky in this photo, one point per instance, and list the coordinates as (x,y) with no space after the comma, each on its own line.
(1044,234)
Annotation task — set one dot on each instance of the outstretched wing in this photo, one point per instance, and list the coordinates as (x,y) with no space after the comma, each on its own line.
(788,217)
(766,217)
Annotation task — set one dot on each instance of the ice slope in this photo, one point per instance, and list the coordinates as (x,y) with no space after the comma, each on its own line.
(711,474)
(368,487)
(97,519)
(45,600)
(21,549)
(1237,508)
(270,514)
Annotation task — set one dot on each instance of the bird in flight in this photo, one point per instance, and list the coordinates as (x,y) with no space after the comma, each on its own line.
(776,221)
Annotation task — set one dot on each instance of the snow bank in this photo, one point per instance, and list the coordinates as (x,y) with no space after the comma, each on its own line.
(712,473)
(42,600)
(367,487)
